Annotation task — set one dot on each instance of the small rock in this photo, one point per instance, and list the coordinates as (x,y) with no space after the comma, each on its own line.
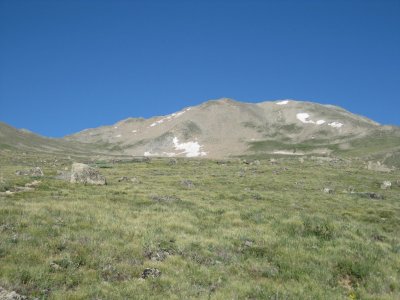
(151,272)
(398,183)
(248,243)
(124,178)
(135,180)
(54,266)
(7,295)
(157,255)
(34,172)
(351,189)
(81,173)
(369,195)
(172,161)
(386,185)
(328,191)
(32,184)
(187,183)
(375,196)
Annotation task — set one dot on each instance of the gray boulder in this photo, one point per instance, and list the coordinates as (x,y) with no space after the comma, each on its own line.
(81,173)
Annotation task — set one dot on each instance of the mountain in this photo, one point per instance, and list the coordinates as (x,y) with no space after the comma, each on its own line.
(225,127)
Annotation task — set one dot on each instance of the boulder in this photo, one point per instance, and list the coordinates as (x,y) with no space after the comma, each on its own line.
(81,173)
(386,185)
(328,190)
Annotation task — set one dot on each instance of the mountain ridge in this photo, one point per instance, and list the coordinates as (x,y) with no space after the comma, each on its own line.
(225,127)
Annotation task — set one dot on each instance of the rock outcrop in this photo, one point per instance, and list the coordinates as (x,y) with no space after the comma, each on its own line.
(81,173)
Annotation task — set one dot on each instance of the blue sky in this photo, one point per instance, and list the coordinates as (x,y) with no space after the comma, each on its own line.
(70,65)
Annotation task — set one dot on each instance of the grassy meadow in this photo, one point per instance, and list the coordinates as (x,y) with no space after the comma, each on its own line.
(214,229)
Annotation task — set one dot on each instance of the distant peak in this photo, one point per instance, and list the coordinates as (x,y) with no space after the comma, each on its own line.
(221,101)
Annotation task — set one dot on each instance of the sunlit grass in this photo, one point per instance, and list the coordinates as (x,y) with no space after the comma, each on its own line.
(241,232)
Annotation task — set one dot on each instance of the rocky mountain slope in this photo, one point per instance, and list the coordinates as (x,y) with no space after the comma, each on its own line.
(224,127)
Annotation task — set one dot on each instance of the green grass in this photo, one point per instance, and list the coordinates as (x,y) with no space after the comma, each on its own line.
(242,232)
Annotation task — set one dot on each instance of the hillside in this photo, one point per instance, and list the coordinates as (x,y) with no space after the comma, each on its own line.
(224,229)
(224,127)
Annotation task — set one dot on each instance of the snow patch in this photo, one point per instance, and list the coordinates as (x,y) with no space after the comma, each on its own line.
(191,149)
(115,127)
(336,124)
(157,122)
(305,118)
(287,152)
(169,117)
(118,135)
(134,131)
(284,102)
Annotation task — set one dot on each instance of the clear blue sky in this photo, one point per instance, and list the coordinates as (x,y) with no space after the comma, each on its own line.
(69,65)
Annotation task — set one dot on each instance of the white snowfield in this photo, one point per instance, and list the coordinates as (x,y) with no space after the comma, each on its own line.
(284,102)
(190,149)
(283,152)
(171,116)
(305,118)
(336,124)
